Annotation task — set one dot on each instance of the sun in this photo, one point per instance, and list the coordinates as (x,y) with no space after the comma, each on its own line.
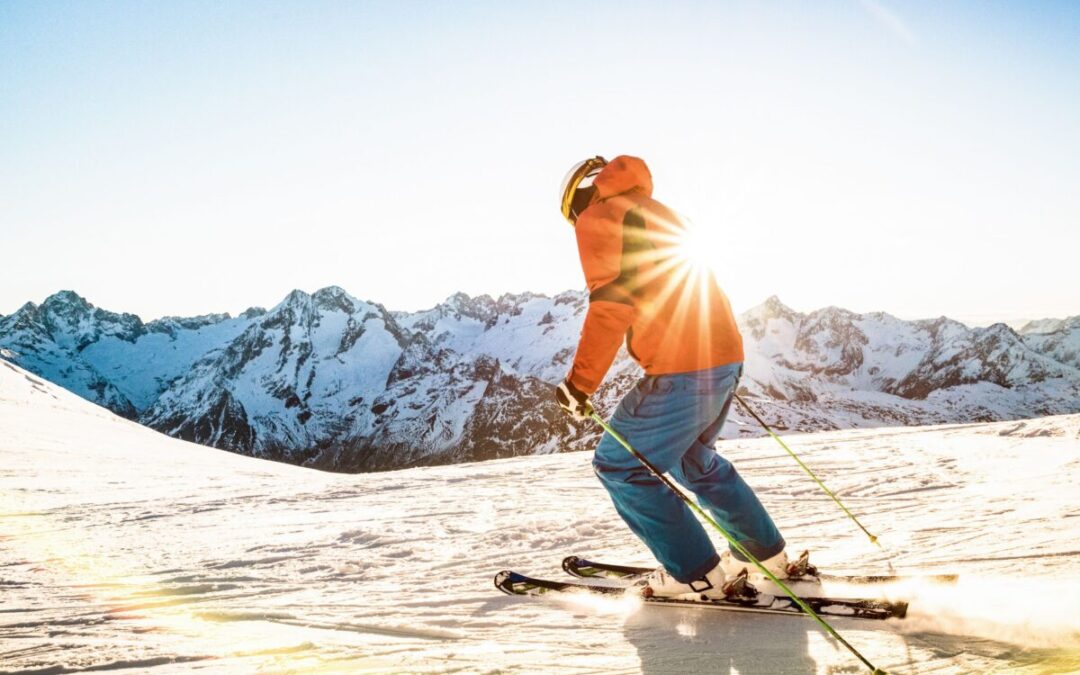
(698,248)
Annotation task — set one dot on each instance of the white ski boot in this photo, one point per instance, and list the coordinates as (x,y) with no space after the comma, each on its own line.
(661,584)
(778,565)
(799,570)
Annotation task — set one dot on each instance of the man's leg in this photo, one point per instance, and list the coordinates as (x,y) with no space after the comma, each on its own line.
(660,420)
(660,519)
(725,495)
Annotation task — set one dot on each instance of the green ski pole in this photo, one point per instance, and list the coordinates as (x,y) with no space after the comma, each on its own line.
(734,543)
(873,539)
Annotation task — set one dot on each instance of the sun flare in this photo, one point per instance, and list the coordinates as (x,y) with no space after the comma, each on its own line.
(698,248)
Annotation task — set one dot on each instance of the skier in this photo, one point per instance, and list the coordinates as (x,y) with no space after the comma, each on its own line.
(678,325)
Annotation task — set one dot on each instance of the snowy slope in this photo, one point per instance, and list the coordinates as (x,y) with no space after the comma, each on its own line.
(127,550)
(331,381)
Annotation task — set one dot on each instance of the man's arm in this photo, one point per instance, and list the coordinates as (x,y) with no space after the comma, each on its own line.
(606,323)
(611,304)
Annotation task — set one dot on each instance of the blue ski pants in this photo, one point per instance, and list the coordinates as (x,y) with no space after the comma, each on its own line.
(673,421)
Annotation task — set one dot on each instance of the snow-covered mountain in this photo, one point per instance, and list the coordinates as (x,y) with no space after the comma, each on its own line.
(833,368)
(112,359)
(1057,338)
(126,550)
(328,380)
(529,333)
(333,381)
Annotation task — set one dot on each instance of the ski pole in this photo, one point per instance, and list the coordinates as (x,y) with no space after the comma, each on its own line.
(734,543)
(873,539)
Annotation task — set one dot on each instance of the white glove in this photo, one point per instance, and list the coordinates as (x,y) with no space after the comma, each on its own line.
(575,402)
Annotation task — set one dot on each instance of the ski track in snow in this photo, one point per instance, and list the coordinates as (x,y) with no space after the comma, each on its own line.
(124,550)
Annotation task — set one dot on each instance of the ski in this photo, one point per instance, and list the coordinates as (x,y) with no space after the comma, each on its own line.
(589,569)
(804,587)
(513,583)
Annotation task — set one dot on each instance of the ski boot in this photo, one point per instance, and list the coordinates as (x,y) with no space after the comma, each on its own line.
(660,584)
(779,565)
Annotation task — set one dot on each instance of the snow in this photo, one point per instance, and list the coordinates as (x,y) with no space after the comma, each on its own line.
(142,369)
(126,549)
(512,330)
(369,362)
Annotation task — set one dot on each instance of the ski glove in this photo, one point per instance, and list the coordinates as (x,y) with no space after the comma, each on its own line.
(575,402)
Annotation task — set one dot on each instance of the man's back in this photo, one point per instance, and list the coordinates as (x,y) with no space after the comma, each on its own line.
(643,285)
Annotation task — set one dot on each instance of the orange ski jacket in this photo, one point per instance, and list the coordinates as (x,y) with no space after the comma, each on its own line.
(642,287)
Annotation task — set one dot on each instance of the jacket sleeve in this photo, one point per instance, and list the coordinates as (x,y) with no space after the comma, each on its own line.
(611,306)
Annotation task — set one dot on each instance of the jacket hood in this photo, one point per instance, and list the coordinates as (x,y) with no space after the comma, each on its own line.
(624,174)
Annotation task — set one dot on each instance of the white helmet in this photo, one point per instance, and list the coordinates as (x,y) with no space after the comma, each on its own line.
(577,187)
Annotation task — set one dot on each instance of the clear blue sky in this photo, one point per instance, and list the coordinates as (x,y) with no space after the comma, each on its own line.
(187,157)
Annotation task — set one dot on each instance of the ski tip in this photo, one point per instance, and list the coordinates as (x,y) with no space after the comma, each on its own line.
(570,563)
(502,582)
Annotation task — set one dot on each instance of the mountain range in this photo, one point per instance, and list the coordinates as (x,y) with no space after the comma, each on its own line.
(331,381)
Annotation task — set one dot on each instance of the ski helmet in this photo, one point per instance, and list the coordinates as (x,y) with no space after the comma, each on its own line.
(578,189)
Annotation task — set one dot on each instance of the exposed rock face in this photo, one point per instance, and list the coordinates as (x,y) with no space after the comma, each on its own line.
(335,382)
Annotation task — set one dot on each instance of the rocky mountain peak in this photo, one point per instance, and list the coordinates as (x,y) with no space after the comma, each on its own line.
(481,307)
(1002,330)
(172,324)
(519,298)
(66,301)
(943,327)
(295,298)
(65,308)
(23,318)
(73,321)
(998,338)
(458,299)
(295,309)
(772,308)
(334,298)
(576,298)
(24,328)
(833,314)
